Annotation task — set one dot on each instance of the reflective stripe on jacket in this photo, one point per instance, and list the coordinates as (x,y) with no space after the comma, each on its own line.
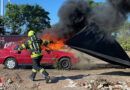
(34,45)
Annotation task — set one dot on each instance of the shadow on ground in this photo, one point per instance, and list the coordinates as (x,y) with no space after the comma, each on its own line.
(118,73)
(56,79)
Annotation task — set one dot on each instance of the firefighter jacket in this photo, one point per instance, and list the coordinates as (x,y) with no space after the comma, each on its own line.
(34,45)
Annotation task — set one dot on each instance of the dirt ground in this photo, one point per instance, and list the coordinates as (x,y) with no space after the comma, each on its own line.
(98,75)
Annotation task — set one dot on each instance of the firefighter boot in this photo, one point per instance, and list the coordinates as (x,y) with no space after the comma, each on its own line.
(47,78)
(32,76)
(46,75)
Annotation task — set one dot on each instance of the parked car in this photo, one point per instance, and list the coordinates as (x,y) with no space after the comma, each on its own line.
(11,60)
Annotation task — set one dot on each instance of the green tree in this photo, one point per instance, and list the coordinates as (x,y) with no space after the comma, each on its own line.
(22,18)
(2,30)
(92,3)
(36,18)
(124,32)
(124,36)
(53,25)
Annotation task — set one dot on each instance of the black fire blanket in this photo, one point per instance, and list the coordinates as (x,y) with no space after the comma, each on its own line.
(96,42)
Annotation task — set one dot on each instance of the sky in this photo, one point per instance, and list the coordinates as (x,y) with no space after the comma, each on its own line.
(52,6)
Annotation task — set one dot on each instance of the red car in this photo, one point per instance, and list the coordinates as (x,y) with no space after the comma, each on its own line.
(10,59)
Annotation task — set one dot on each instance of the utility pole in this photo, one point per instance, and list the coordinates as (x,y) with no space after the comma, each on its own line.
(2,7)
(2,32)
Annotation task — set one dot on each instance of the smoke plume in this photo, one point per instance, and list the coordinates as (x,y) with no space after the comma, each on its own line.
(121,5)
(73,17)
(76,14)
(111,15)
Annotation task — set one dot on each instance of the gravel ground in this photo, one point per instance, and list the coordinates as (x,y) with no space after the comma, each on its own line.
(96,75)
(65,80)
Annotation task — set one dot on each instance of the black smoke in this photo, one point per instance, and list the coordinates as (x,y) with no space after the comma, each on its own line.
(121,5)
(76,14)
(111,15)
(73,17)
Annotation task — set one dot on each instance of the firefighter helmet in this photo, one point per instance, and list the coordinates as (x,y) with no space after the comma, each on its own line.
(31,33)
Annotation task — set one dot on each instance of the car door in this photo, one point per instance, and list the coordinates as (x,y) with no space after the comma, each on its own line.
(23,57)
(48,57)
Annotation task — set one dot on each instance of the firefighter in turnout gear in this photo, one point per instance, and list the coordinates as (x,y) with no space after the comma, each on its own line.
(33,44)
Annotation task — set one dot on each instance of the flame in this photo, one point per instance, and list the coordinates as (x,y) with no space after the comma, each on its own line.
(58,43)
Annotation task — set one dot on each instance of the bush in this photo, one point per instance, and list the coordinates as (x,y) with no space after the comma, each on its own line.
(125,45)
(58,66)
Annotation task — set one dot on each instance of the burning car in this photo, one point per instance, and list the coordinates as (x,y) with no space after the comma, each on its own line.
(10,59)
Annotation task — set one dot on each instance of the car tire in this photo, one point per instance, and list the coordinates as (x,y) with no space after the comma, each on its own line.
(11,63)
(65,63)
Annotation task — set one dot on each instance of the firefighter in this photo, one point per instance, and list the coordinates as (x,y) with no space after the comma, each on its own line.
(33,44)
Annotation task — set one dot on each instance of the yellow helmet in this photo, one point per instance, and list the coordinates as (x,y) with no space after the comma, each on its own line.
(31,33)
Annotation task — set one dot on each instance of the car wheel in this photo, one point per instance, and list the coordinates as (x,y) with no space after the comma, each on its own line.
(10,63)
(65,63)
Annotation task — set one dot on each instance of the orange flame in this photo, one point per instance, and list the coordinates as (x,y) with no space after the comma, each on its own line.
(58,44)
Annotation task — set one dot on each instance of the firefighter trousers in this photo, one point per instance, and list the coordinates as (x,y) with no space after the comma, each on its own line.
(37,67)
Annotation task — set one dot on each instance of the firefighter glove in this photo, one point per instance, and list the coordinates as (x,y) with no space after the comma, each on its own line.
(18,52)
